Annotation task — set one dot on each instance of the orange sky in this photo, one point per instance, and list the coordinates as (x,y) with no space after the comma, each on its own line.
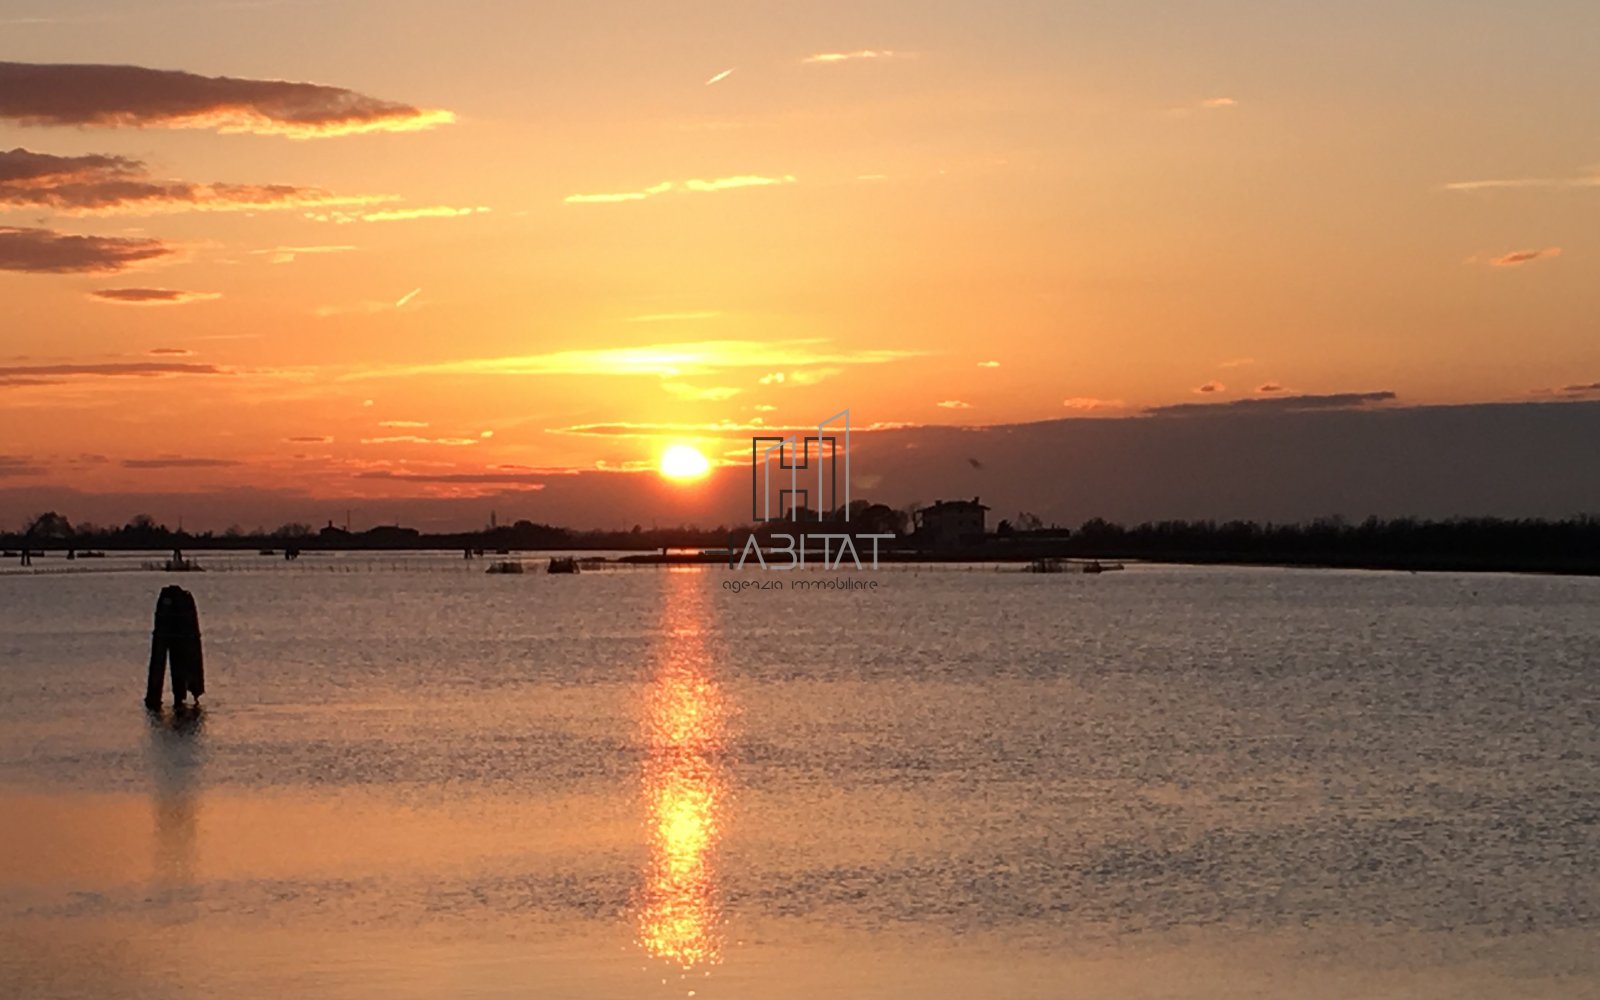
(492,225)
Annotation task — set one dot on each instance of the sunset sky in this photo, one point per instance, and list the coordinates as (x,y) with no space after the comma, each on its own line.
(500,243)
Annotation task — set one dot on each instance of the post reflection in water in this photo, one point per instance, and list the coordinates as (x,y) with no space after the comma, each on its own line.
(176,754)
(684,788)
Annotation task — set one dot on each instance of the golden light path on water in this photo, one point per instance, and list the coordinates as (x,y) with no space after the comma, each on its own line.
(684,788)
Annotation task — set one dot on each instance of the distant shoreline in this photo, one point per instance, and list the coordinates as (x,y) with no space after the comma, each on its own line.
(55,558)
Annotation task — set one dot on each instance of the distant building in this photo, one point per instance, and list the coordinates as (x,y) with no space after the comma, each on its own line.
(951,524)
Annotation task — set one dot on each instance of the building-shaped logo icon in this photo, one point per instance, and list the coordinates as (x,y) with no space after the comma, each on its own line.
(774,499)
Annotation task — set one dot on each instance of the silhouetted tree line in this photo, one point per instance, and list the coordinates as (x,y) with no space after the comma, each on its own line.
(1570,545)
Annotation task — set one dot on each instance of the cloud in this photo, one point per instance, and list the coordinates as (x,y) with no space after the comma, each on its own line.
(169,352)
(1210,387)
(1519,257)
(988,364)
(1526,183)
(12,466)
(177,462)
(1236,362)
(1089,403)
(134,369)
(1580,390)
(403,423)
(1269,387)
(134,96)
(455,442)
(101,184)
(45,251)
(763,408)
(772,378)
(691,186)
(690,392)
(720,77)
(310,439)
(530,480)
(673,360)
(151,296)
(407,297)
(287,255)
(953,404)
(398,214)
(1212,103)
(833,58)
(1277,404)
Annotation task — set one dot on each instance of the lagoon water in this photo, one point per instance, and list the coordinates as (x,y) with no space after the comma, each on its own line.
(414,780)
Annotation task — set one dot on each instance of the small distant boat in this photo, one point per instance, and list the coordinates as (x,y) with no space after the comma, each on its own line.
(1068,566)
(562,564)
(505,566)
(1096,566)
(176,565)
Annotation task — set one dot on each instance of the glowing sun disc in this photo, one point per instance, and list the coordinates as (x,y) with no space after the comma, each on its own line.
(683,462)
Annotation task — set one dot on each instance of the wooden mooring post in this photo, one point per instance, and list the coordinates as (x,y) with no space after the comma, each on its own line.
(175,638)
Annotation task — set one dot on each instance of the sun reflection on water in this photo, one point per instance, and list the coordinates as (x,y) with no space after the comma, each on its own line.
(684,789)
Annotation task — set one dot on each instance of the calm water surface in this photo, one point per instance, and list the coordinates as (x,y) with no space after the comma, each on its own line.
(412,779)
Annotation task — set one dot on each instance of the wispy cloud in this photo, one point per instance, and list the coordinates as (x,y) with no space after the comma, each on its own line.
(410,424)
(1090,404)
(310,439)
(151,296)
(833,58)
(18,465)
(696,393)
(1277,404)
(1526,183)
(134,96)
(1519,257)
(169,352)
(988,364)
(1210,387)
(456,442)
(533,480)
(98,184)
(177,462)
(718,78)
(1236,363)
(45,251)
(1213,103)
(141,369)
(953,404)
(717,429)
(287,255)
(398,214)
(1269,387)
(691,186)
(367,306)
(674,360)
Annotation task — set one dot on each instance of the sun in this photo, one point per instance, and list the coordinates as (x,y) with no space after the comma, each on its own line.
(682,462)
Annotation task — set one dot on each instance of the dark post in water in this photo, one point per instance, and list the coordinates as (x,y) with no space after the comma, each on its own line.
(176,637)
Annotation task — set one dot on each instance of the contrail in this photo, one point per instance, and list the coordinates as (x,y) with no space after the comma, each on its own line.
(720,77)
(407,297)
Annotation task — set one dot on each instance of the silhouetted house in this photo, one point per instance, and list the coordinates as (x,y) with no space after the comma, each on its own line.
(391,536)
(951,524)
(334,535)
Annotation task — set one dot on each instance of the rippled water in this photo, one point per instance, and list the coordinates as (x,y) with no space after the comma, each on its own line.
(411,779)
